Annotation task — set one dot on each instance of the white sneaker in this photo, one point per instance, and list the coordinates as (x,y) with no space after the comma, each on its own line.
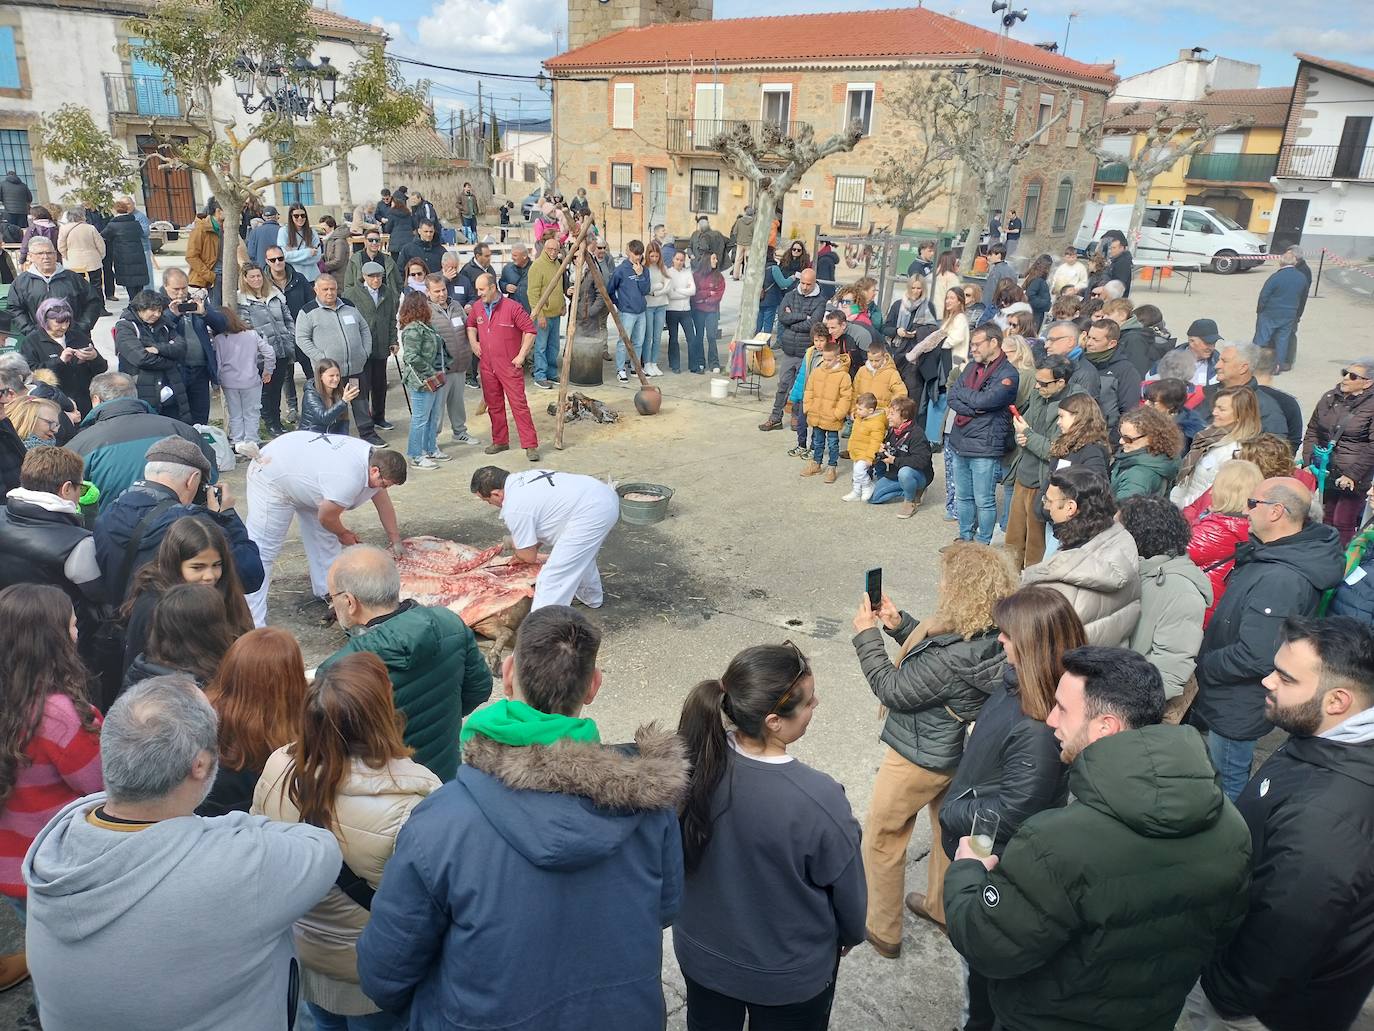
(246,449)
(623,376)
(652,370)
(423,463)
(715,369)
(866,493)
(439,456)
(465,438)
(851,496)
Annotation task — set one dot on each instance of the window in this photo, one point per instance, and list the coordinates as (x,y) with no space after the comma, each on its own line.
(294,191)
(1351,152)
(622,193)
(1011,101)
(849,200)
(9,61)
(1061,206)
(858,106)
(705,196)
(14,153)
(1193,222)
(623,107)
(710,107)
(1158,218)
(591,177)
(1228,143)
(777,105)
(529,172)
(1045,111)
(1031,208)
(1075,123)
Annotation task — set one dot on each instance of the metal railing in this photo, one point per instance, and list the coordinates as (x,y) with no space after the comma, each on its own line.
(686,135)
(147,96)
(1332,161)
(1232,168)
(1111,172)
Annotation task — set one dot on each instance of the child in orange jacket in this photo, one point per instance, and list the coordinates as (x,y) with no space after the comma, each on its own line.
(829,394)
(870,427)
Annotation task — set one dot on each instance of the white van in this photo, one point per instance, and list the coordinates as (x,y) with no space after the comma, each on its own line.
(1184,233)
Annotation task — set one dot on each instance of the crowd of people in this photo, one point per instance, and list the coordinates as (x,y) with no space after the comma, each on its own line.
(1183,567)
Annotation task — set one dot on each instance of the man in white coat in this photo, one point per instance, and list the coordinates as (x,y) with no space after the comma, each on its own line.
(316,478)
(571,513)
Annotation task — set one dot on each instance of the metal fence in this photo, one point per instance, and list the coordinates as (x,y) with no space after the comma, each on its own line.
(1233,168)
(1332,161)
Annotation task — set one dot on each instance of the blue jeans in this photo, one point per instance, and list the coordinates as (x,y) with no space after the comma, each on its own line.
(1232,760)
(819,439)
(767,317)
(426,408)
(701,347)
(326,1020)
(653,333)
(635,323)
(975,496)
(470,229)
(907,483)
(546,348)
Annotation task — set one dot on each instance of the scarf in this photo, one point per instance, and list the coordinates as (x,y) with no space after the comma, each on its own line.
(510,722)
(1202,443)
(1354,555)
(1102,357)
(981,374)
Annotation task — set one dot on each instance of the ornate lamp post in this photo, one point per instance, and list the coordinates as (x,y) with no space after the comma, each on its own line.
(301,90)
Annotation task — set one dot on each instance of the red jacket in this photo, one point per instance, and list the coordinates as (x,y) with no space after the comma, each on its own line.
(500,335)
(710,289)
(1213,550)
(1200,506)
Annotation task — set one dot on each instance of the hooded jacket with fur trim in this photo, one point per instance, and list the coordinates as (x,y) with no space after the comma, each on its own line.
(551,868)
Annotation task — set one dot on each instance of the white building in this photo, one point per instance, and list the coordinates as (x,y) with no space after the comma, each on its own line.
(80,52)
(1188,78)
(1325,177)
(526,160)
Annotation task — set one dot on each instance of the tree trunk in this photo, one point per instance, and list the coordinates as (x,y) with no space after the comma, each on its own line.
(345,187)
(229,280)
(752,283)
(1142,194)
(975,233)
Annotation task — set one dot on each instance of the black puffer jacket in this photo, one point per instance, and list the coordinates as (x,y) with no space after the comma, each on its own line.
(934,693)
(74,378)
(12,453)
(1352,417)
(151,372)
(1310,809)
(909,449)
(799,312)
(29,290)
(1010,765)
(1270,582)
(124,244)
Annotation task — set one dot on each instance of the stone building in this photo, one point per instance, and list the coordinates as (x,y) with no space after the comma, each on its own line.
(649,84)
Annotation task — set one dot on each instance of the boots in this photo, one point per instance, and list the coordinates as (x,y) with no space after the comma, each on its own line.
(831,474)
(14,970)
(811,468)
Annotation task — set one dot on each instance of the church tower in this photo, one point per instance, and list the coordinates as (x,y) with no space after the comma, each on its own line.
(590,20)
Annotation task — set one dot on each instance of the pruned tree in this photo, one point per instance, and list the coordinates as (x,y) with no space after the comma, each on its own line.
(989,142)
(95,166)
(918,167)
(772,162)
(200,43)
(1170,137)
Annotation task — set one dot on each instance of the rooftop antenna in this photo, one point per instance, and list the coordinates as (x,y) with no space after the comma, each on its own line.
(1068,27)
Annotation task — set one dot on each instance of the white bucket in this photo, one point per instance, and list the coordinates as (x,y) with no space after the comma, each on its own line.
(720,388)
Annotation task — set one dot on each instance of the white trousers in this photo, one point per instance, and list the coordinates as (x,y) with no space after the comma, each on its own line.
(571,569)
(862,479)
(1199,1015)
(270,512)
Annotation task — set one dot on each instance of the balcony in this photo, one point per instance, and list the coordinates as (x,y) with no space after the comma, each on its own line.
(1114,172)
(1231,168)
(142,96)
(694,135)
(1333,161)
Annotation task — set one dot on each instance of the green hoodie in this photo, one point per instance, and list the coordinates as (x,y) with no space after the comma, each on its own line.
(1141,472)
(1101,914)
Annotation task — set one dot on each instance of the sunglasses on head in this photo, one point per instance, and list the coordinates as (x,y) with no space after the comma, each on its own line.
(804,669)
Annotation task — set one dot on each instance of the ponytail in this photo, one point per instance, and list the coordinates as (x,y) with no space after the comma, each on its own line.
(702,728)
(760,681)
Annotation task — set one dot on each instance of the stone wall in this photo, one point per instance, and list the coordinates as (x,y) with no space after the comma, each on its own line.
(590,20)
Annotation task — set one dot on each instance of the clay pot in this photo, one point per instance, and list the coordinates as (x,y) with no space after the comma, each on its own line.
(648,400)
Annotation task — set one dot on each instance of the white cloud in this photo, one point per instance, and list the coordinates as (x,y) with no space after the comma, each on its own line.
(510,27)
(391,28)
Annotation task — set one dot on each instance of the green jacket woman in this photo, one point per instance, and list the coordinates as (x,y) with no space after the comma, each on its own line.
(420,349)
(1142,472)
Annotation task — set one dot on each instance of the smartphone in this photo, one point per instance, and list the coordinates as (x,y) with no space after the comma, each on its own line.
(185,306)
(873,583)
(1014,413)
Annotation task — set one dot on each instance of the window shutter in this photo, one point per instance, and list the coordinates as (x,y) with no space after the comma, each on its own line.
(623,109)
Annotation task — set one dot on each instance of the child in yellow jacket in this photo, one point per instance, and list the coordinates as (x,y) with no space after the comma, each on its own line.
(870,427)
(829,394)
(878,377)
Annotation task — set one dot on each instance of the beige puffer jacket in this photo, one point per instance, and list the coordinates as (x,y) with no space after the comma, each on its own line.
(81,246)
(373,805)
(1101,579)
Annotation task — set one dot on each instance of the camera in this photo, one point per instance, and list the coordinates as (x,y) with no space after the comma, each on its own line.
(204,491)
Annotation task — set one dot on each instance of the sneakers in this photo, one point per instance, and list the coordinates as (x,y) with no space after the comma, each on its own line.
(439,456)
(812,468)
(799,452)
(652,370)
(376,441)
(472,383)
(423,462)
(382,424)
(770,424)
(495,449)
(906,510)
(246,449)
(715,369)
(831,474)
(532,453)
(465,438)
(866,493)
(851,496)
(623,376)
(292,416)
(543,383)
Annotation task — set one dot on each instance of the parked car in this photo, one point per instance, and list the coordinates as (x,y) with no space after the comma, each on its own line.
(1184,233)
(528,205)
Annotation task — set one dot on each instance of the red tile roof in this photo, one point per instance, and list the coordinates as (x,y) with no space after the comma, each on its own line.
(327,21)
(1268,107)
(894,34)
(1352,70)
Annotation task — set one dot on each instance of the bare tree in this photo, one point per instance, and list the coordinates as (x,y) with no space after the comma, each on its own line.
(772,162)
(1171,136)
(918,167)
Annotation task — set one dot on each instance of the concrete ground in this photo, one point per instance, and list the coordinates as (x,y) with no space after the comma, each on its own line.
(751,553)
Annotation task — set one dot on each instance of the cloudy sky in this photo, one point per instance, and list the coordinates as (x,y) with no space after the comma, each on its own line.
(514,35)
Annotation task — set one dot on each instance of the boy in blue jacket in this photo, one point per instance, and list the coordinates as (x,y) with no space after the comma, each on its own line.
(628,285)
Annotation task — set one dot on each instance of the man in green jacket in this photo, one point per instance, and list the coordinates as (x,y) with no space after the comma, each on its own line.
(1102,914)
(438,674)
(1035,428)
(547,316)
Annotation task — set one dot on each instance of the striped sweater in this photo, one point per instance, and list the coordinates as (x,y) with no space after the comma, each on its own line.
(64,765)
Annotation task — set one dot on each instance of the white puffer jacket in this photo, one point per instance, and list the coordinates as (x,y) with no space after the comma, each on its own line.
(372,806)
(1101,579)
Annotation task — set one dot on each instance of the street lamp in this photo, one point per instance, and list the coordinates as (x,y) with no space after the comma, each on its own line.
(286,91)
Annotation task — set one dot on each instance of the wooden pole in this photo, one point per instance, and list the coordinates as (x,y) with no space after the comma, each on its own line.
(557,281)
(566,370)
(620,328)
